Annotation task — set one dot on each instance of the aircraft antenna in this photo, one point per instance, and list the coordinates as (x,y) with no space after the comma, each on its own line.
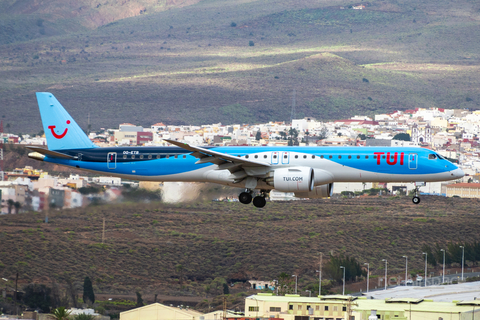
(293,114)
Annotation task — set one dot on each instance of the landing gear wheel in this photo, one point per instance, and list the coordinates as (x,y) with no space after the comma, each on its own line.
(245,197)
(259,201)
(416,200)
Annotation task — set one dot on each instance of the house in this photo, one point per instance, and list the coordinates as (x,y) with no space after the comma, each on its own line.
(158,311)
(260,285)
(464,190)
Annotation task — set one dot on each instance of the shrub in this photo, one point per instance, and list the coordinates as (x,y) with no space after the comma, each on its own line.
(251,43)
(233,24)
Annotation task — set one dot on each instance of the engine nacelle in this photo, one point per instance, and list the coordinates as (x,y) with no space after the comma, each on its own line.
(293,179)
(323,191)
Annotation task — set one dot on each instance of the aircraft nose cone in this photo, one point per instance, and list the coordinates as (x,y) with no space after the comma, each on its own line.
(457,173)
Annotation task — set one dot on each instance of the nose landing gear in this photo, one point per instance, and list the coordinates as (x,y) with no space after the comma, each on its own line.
(416,198)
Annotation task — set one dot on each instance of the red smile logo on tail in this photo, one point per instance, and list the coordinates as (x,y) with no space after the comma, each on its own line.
(58,136)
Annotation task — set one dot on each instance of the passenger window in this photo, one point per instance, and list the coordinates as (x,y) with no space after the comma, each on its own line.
(184,157)
(330,157)
(366,157)
(296,156)
(339,157)
(432,157)
(133,156)
(141,157)
(383,157)
(239,156)
(124,156)
(168,156)
(265,156)
(176,156)
(256,156)
(358,157)
(246,157)
(285,157)
(275,157)
(149,156)
(158,156)
(349,157)
(321,157)
(313,157)
(374,157)
(304,157)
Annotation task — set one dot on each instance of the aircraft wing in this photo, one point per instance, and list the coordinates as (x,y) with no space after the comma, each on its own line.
(223,160)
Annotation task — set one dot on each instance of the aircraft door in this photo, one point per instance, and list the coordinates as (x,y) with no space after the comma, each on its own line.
(285,157)
(275,157)
(112,160)
(412,161)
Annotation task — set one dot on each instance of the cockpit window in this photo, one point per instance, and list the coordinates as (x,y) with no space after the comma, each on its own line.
(440,157)
(432,156)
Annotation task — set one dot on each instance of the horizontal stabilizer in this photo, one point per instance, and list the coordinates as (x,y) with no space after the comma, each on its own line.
(51,153)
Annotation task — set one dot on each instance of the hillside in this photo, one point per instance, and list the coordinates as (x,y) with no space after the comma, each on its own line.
(173,249)
(31,19)
(193,63)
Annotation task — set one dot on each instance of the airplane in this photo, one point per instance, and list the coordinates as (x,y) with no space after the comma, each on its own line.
(309,172)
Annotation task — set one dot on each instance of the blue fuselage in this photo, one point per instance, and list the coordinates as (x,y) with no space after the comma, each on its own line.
(345,164)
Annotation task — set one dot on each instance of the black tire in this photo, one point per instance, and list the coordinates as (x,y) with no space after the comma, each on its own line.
(416,200)
(259,201)
(245,197)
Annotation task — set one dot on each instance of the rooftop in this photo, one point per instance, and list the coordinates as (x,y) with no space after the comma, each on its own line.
(447,293)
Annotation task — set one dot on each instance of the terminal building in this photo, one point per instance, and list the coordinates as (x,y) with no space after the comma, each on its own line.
(339,307)
(444,302)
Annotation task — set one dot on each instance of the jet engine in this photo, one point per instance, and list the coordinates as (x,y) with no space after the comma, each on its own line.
(292,179)
(323,191)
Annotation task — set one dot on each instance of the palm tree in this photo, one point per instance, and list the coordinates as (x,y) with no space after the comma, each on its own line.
(10,203)
(60,313)
(17,206)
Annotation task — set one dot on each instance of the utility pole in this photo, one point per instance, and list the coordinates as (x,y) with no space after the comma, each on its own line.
(349,308)
(320,275)
(103,232)
(88,123)
(16,288)
(368,274)
(293,114)
(224,308)
(2,169)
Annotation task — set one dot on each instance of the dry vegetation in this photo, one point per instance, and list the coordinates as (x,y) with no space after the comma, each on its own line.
(191,65)
(146,243)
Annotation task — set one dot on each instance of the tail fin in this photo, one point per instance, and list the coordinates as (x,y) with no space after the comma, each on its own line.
(61,130)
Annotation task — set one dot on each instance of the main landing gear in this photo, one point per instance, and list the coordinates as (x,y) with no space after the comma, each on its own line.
(259,201)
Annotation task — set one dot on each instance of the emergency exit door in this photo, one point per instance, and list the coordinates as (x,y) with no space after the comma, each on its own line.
(412,161)
(112,160)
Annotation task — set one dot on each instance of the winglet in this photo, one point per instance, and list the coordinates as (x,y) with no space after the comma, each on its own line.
(61,130)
